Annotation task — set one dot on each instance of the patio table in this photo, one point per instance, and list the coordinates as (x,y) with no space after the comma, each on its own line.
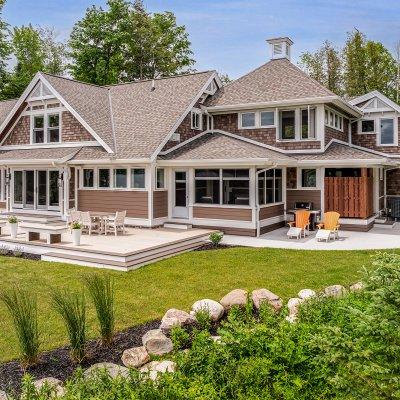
(101,216)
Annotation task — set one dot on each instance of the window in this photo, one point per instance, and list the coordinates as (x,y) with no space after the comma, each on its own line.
(38,129)
(104,178)
(308,178)
(270,186)
(207,186)
(308,123)
(248,120)
(267,118)
(235,184)
(368,126)
(334,120)
(53,128)
(387,131)
(138,178)
(120,178)
(196,119)
(160,178)
(287,124)
(88,178)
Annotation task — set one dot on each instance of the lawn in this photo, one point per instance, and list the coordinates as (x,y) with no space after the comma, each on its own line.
(145,294)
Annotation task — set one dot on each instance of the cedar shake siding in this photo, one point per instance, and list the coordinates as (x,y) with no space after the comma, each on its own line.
(369,140)
(271,211)
(134,202)
(71,131)
(229,123)
(303,195)
(160,204)
(332,133)
(225,213)
(393,182)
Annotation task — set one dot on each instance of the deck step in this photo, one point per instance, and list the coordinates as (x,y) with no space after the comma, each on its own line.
(30,217)
(146,258)
(385,224)
(176,225)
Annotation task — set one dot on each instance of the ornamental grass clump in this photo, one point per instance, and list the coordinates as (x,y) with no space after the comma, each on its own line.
(72,309)
(22,307)
(102,293)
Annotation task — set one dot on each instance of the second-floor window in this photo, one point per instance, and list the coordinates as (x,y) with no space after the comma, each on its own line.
(196,119)
(257,119)
(46,128)
(387,132)
(287,123)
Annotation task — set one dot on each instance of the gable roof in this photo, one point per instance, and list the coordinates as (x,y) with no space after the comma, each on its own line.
(276,80)
(362,100)
(6,107)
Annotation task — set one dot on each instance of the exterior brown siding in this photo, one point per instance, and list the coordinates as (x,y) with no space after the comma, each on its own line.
(72,130)
(230,231)
(331,133)
(393,182)
(3,204)
(303,195)
(20,133)
(369,141)
(272,227)
(134,202)
(234,214)
(271,211)
(229,123)
(160,204)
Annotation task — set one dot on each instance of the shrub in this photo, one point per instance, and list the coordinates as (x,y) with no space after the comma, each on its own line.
(18,251)
(12,219)
(180,338)
(215,238)
(102,292)
(72,309)
(203,320)
(4,250)
(22,307)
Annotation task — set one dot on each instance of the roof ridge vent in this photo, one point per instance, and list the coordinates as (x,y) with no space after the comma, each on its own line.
(280,47)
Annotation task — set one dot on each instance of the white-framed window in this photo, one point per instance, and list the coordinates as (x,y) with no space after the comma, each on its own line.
(248,120)
(160,178)
(308,178)
(387,132)
(307,123)
(104,178)
(367,126)
(38,129)
(120,178)
(45,128)
(287,124)
(270,186)
(88,178)
(256,119)
(138,178)
(196,118)
(267,118)
(333,120)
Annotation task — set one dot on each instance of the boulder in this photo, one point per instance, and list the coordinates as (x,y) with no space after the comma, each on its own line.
(135,357)
(214,309)
(237,297)
(356,287)
(52,383)
(158,367)
(174,317)
(293,305)
(306,294)
(216,339)
(291,318)
(3,395)
(157,343)
(260,296)
(335,291)
(113,370)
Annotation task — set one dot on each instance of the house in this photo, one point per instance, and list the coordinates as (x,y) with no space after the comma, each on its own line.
(189,150)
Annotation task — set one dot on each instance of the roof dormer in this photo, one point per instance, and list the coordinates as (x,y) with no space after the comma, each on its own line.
(280,47)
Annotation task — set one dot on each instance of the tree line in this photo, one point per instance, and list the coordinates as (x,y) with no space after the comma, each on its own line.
(118,44)
(360,66)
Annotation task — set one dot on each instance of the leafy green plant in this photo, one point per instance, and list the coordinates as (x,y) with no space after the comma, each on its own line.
(215,238)
(12,219)
(4,250)
(180,338)
(22,307)
(102,292)
(72,309)
(203,320)
(18,251)
(76,225)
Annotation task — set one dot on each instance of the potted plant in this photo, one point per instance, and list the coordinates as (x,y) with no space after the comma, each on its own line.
(13,222)
(76,229)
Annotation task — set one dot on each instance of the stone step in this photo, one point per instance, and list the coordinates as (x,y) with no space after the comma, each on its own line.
(176,225)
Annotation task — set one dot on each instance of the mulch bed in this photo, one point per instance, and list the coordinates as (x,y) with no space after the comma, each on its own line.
(19,254)
(210,246)
(57,363)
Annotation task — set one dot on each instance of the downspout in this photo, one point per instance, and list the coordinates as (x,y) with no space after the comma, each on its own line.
(257,199)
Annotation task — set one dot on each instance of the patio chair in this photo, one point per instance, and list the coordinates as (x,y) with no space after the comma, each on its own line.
(300,226)
(330,226)
(88,225)
(116,224)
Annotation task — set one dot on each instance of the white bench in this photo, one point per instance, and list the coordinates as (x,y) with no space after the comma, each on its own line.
(52,232)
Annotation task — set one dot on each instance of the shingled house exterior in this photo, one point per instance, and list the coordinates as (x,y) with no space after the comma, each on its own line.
(187,149)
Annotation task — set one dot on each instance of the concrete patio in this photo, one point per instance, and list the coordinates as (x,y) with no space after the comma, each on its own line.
(376,238)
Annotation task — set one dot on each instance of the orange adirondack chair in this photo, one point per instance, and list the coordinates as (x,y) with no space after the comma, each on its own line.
(301,221)
(331,223)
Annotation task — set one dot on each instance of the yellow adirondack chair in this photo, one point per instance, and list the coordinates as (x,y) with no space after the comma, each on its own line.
(331,223)
(301,221)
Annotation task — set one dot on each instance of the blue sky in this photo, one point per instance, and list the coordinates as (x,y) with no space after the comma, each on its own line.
(230,35)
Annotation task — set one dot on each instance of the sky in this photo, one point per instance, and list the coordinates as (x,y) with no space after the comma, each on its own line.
(229,35)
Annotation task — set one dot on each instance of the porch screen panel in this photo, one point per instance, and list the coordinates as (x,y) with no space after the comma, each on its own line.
(29,187)
(53,189)
(18,187)
(42,188)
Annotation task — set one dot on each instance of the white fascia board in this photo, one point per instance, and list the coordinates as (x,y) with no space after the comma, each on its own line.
(28,162)
(49,146)
(351,109)
(227,162)
(379,95)
(343,163)
(182,117)
(107,161)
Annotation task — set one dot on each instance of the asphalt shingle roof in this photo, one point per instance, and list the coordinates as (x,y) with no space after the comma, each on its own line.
(53,154)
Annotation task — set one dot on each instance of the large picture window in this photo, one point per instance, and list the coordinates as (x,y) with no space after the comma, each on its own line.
(270,186)
(287,123)
(387,131)
(227,186)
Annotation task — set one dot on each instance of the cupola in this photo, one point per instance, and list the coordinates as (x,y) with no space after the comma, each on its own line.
(280,47)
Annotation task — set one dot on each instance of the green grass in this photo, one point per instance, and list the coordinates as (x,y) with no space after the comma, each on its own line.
(145,294)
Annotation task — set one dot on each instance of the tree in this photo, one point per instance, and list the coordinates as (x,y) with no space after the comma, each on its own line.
(125,42)
(55,52)
(5,51)
(225,79)
(397,84)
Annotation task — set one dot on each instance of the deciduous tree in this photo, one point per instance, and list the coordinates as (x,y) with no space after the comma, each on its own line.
(5,51)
